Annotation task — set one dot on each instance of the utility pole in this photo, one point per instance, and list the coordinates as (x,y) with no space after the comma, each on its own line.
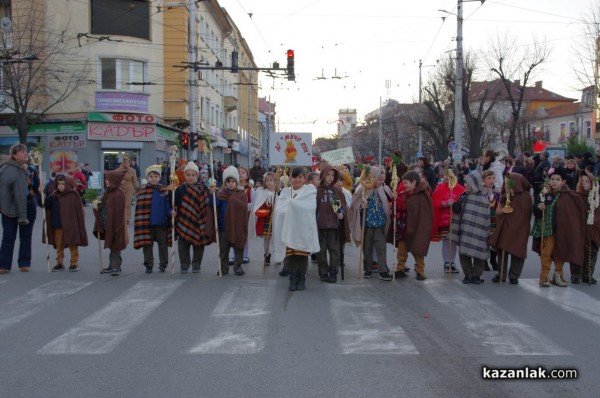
(192,57)
(459,82)
(458,89)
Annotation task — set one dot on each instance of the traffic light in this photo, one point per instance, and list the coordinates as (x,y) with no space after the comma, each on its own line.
(234,61)
(290,66)
(193,139)
(185,140)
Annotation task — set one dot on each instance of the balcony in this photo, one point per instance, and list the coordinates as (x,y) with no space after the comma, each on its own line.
(230,133)
(230,99)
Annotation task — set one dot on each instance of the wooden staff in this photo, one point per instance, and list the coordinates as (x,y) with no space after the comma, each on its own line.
(502,266)
(174,180)
(269,233)
(36,157)
(208,150)
(395,223)
(362,239)
(452,181)
(96,206)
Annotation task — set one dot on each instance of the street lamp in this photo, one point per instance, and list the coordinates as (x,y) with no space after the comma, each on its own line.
(459,76)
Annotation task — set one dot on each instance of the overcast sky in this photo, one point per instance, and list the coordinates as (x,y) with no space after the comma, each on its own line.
(368,43)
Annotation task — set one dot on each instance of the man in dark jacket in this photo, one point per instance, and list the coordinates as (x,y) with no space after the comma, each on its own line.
(18,207)
(257,172)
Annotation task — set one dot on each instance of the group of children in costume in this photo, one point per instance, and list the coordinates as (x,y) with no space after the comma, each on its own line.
(316,214)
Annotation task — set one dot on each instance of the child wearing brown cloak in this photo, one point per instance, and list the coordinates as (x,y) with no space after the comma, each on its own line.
(232,217)
(65,222)
(110,224)
(512,229)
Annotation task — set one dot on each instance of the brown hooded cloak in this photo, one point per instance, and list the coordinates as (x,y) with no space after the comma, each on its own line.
(72,218)
(512,229)
(419,210)
(113,229)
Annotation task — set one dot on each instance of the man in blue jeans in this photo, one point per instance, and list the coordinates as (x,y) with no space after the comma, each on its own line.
(18,202)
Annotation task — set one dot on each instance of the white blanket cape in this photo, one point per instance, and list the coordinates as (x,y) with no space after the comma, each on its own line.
(295,224)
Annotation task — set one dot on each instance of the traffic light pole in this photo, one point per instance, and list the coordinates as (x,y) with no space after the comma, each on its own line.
(192,56)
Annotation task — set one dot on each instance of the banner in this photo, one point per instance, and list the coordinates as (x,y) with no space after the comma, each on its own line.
(290,149)
(338,157)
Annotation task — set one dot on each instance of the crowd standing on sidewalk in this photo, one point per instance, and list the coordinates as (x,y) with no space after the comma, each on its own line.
(481,209)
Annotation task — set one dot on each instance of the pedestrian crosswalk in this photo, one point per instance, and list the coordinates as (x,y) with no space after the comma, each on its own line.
(102,331)
(486,321)
(238,324)
(240,320)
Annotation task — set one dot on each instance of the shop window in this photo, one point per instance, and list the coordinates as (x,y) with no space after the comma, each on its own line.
(122,74)
(123,18)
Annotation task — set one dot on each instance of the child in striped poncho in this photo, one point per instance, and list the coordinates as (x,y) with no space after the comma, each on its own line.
(153,220)
(191,201)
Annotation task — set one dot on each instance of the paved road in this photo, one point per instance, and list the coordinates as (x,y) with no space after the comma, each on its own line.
(161,335)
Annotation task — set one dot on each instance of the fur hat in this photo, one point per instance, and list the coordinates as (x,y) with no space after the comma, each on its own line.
(154,168)
(561,171)
(231,172)
(191,166)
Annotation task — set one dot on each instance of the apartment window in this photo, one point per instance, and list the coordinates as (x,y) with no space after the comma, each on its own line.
(123,18)
(588,128)
(118,74)
(563,132)
(572,129)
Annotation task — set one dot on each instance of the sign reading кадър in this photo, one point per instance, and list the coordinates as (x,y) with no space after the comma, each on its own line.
(290,149)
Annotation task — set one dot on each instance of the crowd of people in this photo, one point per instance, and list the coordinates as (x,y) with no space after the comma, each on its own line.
(479,210)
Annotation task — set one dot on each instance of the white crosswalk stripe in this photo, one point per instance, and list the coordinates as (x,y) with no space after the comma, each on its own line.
(570,299)
(362,326)
(35,300)
(101,332)
(488,322)
(238,324)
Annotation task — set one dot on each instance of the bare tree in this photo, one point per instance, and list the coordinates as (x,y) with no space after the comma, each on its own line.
(32,81)
(436,118)
(514,64)
(477,103)
(585,61)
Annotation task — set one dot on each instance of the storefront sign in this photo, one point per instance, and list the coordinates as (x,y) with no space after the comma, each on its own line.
(235,146)
(290,149)
(121,132)
(122,102)
(121,117)
(222,142)
(67,142)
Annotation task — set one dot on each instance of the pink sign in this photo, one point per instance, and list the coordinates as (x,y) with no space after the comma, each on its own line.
(121,132)
(123,102)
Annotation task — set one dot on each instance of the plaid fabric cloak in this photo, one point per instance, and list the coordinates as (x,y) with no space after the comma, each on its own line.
(191,215)
(141,227)
(473,224)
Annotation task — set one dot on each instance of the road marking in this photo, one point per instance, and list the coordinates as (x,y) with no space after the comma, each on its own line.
(102,331)
(35,300)
(571,300)
(489,323)
(361,324)
(238,324)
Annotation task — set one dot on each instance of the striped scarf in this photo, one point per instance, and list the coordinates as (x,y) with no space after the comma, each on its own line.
(142,229)
(191,215)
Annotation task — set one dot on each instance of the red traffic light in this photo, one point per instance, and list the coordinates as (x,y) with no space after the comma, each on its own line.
(290,53)
(186,139)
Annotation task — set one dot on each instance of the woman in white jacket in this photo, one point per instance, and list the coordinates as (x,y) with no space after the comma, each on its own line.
(295,228)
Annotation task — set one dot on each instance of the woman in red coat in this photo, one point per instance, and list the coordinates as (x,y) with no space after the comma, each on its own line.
(445,194)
